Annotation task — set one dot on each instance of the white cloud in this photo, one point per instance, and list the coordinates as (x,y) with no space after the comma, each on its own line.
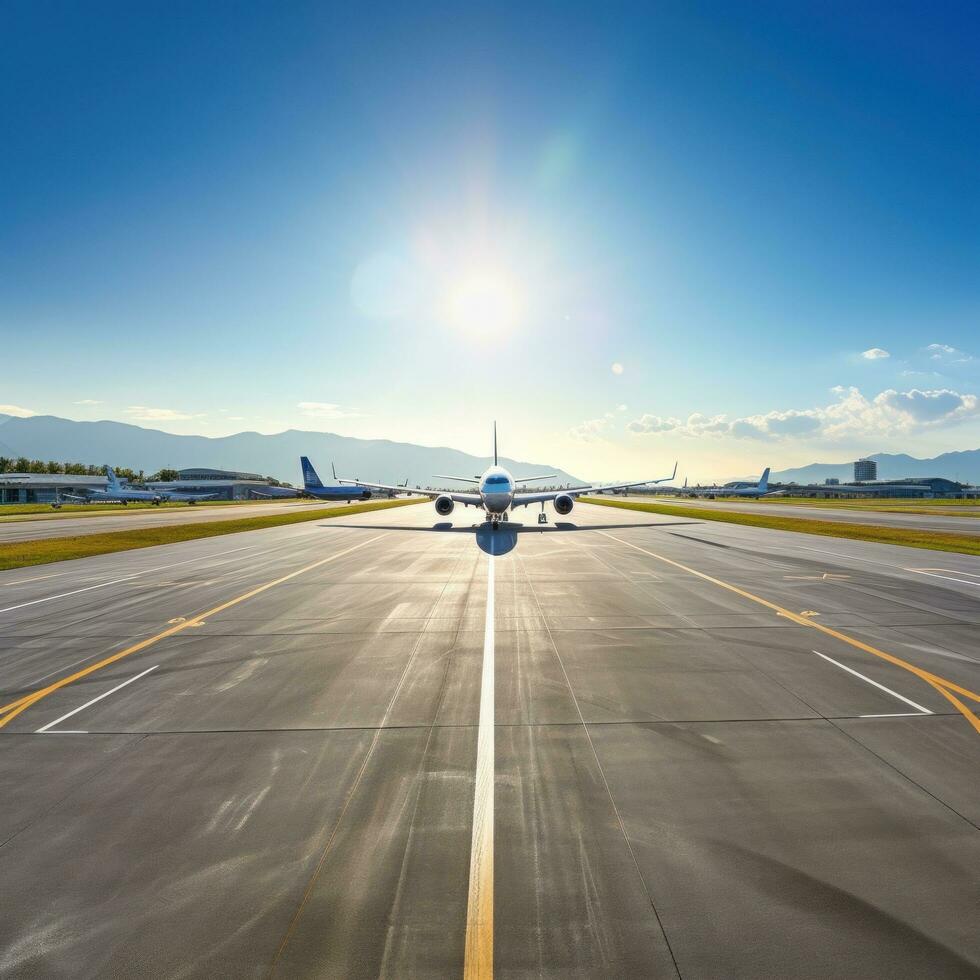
(875,354)
(948,354)
(236,418)
(622,408)
(616,368)
(323,410)
(21,413)
(653,423)
(590,430)
(852,415)
(88,401)
(145,414)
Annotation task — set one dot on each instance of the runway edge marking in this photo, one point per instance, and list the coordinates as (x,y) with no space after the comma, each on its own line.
(478,957)
(941,684)
(10,711)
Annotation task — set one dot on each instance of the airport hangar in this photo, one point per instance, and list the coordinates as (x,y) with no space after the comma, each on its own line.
(45,488)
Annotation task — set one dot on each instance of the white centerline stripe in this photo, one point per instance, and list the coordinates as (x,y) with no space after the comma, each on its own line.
(75,711)
(881,687)
(478,960)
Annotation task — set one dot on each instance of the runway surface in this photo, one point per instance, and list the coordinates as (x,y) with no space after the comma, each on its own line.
(386,746)
(952,522)
(25,529)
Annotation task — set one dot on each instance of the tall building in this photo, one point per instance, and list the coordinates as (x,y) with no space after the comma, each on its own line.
(864,470)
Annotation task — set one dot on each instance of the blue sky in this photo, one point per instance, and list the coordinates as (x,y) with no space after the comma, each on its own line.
(406,221)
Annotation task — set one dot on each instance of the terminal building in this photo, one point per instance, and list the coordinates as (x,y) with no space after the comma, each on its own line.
(865,470)
(227,484)
(48,488)
(928,486)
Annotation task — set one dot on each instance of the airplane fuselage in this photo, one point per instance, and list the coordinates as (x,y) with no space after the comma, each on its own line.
(125,496)
(497,489)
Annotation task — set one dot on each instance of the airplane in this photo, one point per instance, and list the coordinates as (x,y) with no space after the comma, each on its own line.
(496,492)
(313,486)
(184,496)
(115,493)
(759,490)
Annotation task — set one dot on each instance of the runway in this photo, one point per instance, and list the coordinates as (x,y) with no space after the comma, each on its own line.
(394,746)
(953,522)
(30,528)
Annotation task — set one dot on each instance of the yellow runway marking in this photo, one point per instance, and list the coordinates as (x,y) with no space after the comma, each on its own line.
(478,957)
(945,687)
(10,711)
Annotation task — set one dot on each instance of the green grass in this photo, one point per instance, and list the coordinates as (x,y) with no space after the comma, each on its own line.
(14,512)
(966,544)
(20,554)
(885,505)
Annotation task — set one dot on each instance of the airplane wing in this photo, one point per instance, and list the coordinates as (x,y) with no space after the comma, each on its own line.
(460,498)
(528,479)
(522,499)
(458,479)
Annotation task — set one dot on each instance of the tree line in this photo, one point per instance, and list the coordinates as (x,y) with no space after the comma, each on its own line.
(21,464)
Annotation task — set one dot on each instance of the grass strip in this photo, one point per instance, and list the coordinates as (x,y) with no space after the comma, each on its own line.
(941,507)
(20,554)
(45,512)
(964,544)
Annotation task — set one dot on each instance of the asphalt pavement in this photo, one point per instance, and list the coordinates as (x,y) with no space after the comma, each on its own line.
(396,745)
(72,524)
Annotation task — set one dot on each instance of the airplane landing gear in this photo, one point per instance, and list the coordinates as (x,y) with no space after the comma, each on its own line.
(542,517)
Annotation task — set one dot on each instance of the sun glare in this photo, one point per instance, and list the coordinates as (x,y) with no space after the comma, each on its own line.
(484,301)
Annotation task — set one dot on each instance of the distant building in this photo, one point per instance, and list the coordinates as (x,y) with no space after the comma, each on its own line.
(929,486)
(44,488)
(831,481)
(227,484)
(865,470)
(48,488)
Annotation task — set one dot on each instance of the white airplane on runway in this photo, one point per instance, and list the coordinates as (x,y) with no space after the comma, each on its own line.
(761,489)
(114,493)
(497,491)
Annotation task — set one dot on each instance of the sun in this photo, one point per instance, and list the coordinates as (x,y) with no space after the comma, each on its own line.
(484,301)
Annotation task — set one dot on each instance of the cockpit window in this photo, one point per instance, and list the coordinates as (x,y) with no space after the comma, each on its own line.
(492,481)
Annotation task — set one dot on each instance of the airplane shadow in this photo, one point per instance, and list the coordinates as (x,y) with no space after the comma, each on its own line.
(503,540)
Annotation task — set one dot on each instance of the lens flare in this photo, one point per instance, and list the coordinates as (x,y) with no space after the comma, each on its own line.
(484,301)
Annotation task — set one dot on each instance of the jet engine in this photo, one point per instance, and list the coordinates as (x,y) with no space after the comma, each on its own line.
(444,505)
(564,504)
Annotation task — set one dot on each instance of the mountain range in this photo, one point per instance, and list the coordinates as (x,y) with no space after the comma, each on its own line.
(963,466)
(49,437)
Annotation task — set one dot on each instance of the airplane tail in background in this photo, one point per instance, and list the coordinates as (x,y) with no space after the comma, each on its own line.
(495,444)
(764,482)
(113,483)
(310,478)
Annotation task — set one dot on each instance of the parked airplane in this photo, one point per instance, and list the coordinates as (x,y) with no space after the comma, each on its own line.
(114,492)
(759,490)
(313,486)
(497,493)
(184,496)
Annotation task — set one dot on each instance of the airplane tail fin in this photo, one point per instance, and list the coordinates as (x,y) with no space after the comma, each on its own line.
(113,479)
(495,444)
(310,478)
(764,482)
